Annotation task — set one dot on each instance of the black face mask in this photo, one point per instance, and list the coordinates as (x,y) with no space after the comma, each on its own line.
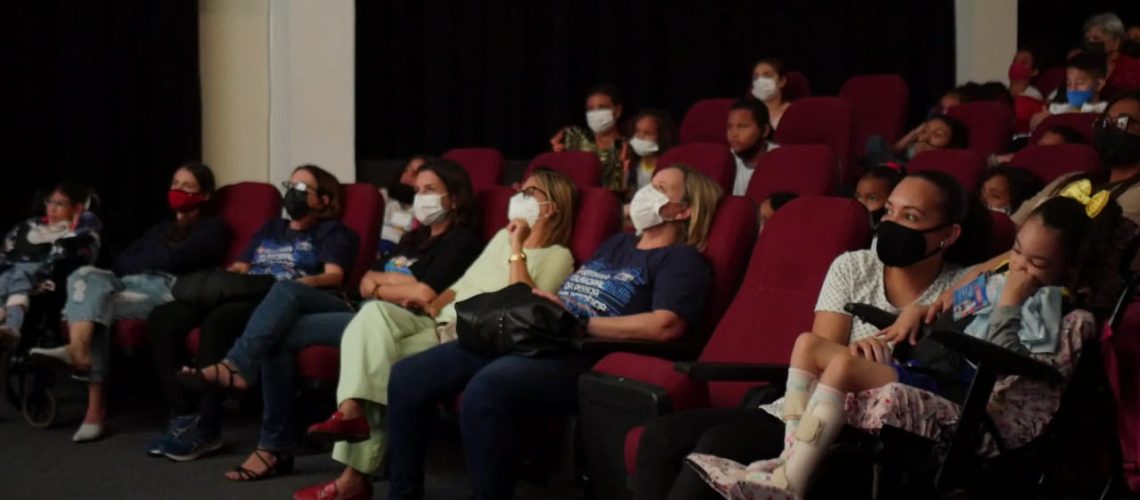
(1094,48)
(901,246)
(402,193)
(296,204)
(1116,147)
(877,216)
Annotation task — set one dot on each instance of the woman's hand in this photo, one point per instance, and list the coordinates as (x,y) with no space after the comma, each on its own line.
(906,327)
(370,284)
(1019,285)
(518,231)
(556,142)
(548,296)
(872,349)
(239,267)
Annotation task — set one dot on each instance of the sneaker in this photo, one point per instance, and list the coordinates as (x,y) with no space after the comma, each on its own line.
(177,427)
(192,444)
(56,356)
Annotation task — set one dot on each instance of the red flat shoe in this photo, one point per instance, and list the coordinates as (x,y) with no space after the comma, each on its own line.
(337,428)
(327,491)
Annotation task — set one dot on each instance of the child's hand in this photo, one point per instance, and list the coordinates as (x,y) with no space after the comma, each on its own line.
(872,349)
(46,286)
(940,305)
(556,142)
(906,327)
(1019,285)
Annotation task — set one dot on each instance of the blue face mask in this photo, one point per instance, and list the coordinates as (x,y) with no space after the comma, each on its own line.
(1078,98)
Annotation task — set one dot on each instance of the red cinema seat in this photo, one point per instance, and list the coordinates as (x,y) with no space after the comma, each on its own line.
(363,213)
(1024,107)
(484,165)
(1051,162)
(494,202)
(583,168)
(705,121)
(1049,79)
(712,159)
(822,120)
(989,124)
(796,86)
(1081,123)
(967,166)
(599,217)
(879,103)
(805,169)
(775,303)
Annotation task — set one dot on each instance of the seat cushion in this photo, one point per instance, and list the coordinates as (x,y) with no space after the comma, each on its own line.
(319,362)
(129,335)
(632,441)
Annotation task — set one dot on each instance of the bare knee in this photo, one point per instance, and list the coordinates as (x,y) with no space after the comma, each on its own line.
(839,369)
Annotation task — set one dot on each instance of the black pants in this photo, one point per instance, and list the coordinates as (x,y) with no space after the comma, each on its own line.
(739,434)
(169,324)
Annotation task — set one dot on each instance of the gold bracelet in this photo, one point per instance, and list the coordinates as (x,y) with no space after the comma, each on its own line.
(517,257)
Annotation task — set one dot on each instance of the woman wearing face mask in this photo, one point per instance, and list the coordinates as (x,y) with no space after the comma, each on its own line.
(1104,36)
(293,316)
(930,228)
(139,281)
(649,287)
(603,113)
(653,134)
(1116,137)
(311,248)
(531,250)
(768,86)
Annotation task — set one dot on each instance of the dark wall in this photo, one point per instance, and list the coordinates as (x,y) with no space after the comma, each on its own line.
(1052,27)
(436,75)
(105,93)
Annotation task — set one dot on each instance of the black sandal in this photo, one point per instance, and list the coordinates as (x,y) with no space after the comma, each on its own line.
(195,379)
(282,465)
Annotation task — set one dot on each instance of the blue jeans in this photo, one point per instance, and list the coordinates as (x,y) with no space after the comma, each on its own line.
(279,432)
(274,318)
(496,392)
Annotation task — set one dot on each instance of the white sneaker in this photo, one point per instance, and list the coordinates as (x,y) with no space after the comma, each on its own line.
(88,432)
(54,355)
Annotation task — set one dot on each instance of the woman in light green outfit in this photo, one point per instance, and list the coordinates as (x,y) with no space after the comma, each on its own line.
(531,249)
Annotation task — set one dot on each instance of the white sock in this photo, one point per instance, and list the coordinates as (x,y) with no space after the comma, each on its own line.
(818,429)
(88,432)
(798,389)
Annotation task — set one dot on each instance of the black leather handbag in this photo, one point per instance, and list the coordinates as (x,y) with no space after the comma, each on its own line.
(210,288)
(515,321)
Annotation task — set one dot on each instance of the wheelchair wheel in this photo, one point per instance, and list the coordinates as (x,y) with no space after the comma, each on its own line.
(39,405)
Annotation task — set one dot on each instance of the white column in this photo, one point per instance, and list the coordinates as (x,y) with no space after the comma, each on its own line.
(986,36)
(312,86)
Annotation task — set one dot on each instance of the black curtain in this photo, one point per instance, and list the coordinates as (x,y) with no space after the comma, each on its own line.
(1052,27)
(105,93)
(435,75)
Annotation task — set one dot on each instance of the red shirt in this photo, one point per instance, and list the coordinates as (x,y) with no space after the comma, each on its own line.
(1125,76)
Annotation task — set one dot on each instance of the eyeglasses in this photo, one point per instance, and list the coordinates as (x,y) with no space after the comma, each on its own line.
(1122,122)
(529,192)
(299,186)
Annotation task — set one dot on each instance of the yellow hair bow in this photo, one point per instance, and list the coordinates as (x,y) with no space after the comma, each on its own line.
(1082,192)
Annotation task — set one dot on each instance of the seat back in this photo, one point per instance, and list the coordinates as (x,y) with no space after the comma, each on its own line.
(776,301)
(989,125)
(1024,107)
(1049,79)
(484,165)
(963,164)
(1081,123)
(598,218)
(1051,162)
(705,121)
(804,169)
(1002,233)
(731,238)
(363,214)
(822,120)
(879,103)
(1120,347)
(796,86)
(493,202)
(583,168)
(711,158)
(245,206)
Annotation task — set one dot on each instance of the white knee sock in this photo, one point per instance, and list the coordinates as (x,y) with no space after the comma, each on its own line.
(816,432)
(799,388)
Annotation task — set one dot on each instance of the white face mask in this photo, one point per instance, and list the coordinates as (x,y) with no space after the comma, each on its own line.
(526,208)
(763,87)
(645,208)
(1004,210)
(643,147)
(428,208)
(600,120)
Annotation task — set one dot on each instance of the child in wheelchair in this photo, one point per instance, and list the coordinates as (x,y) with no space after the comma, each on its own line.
(1030,305)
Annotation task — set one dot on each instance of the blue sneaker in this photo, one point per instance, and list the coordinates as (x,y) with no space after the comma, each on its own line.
(193,443)
(176,427)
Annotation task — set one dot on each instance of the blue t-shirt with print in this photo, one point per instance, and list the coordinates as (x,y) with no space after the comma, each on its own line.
(621,280)
(285,254)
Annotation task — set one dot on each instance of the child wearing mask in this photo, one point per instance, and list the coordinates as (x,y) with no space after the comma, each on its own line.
(66,235)
(874,187)
(1004,188)
(1084,79)
(398,196)
(768,83)
(603,112)
(748,133)
(653,134)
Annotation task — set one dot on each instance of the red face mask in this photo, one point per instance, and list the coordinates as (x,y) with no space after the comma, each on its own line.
(1020,71)
(181,201)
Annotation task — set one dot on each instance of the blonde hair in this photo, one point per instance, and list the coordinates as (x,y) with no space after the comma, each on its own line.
(561,191)
(702,195)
